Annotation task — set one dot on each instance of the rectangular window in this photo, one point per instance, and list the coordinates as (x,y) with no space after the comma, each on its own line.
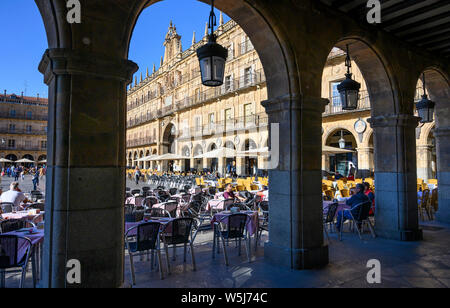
(12,127)
(228,83)
(248,114)
(27,144)
(29,114)
(228,119)
(248,74)
(197,124)
(43,144)
(334,94)
(11,143)
(28,128)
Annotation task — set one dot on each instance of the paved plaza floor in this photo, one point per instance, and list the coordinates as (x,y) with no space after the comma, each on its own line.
(403,264)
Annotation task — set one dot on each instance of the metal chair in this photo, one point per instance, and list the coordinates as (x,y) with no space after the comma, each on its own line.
(11,225)
(328,220)
(232,227)
(173,191)
(263,208)
(360,219)
(10,258)
(157,212)
(135,191)
(7,207)
(146,239)
(179,233)
(39,206)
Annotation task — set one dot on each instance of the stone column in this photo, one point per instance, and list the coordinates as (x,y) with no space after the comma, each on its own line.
(296,226)
(396,177)
(240,165)
(424,162)
(86,165)
(442,135)
(364,161)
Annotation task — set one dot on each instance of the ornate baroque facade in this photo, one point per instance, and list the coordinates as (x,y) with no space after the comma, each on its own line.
(23,127)
(170,111)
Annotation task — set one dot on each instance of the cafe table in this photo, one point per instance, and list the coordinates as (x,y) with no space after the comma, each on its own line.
(36,236)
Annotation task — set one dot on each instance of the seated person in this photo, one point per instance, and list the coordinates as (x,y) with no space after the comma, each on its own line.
(14,195)
(358,198)
(264,193)
(338,176)
(369,193)
(229,194)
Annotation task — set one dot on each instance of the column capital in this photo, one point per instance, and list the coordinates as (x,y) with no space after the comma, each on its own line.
(62,61)
(441,132)
(394,120)
(295,102)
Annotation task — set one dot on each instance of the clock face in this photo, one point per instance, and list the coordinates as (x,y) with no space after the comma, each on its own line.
(360,126)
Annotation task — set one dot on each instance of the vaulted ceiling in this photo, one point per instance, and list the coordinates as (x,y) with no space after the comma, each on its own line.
(423,23)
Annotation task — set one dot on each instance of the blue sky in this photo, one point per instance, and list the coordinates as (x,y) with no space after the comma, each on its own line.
(24,41)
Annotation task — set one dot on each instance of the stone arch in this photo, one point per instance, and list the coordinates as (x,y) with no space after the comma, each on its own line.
(198,150)
(212,146)
(229,144)
(42,157)
(248,144)
(28,156)
(12,157)
(336,127)
(378,78)
(169,138)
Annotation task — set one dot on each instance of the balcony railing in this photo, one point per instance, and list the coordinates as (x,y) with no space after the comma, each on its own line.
(140,142)
(23,116)
(254,121)
(335,105)
(22,147)
(23,131)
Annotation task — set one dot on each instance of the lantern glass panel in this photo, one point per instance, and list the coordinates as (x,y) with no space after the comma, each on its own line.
(219,69)
(205,67)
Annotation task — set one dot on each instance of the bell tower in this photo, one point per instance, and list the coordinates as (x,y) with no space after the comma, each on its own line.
(172,44)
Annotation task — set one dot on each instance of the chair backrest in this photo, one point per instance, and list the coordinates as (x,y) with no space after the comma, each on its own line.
(173,191)
(135,191)
(434,199)
(39,206)
(158,212)
(10,225)
(138,201)
(134,216)
(171,207)
(145,189)
(181,230)
(425,196)
(6,207)
(236,225)
(332,209)
(9,250)
(364,210)
(147,236)
(150,201)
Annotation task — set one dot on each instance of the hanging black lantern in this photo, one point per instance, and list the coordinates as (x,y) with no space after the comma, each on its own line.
(342,141)
(349,88)
(425,107)
(212,57)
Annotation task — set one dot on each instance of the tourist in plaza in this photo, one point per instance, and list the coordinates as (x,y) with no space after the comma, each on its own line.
(233,169)
(14,195)
(229,194)
(16,174)
(137,175)
(35,178)
(370,194)
(358,198)
(338,176)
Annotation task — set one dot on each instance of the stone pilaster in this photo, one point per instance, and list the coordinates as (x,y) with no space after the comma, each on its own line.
(442,135)
(395,177)
(364,161)
(424,162)
(296,230)
(240,165)
(86,164)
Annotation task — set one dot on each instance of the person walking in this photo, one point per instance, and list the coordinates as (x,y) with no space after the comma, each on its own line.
(35,178)
(16,174)
(137,175)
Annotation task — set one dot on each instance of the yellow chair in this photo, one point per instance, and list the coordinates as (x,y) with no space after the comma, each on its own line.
(433,181)
(344,193)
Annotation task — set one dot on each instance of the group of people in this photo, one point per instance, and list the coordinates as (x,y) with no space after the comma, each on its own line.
(362,195)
